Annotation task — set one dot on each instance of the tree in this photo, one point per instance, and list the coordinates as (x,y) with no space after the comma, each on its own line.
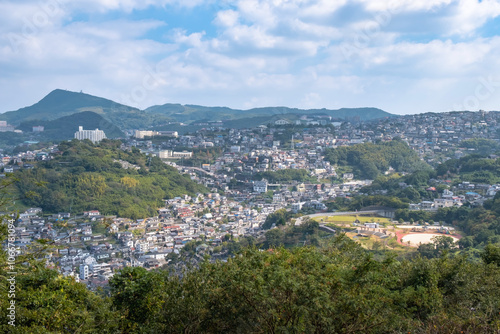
(130,290)
(274,237)
(491,254)
(279,217)
(439,246)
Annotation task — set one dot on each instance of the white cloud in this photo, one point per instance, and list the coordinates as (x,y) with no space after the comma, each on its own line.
(227,18)
(126,5)
(404,5)
(258,52)
(470,15)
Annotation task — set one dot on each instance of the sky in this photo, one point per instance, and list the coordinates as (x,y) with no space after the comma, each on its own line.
(403,56)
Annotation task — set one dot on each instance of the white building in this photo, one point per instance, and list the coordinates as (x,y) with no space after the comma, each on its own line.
(168,154)
(296,207)
(260,186)
(443,203)
(84,272)
(145,133)
(94,136)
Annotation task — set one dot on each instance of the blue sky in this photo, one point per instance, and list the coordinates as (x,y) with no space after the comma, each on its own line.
(403,56)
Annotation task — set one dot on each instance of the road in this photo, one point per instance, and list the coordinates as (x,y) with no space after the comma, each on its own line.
(198,170)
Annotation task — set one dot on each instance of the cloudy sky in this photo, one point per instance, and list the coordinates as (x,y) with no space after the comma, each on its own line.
(403,56)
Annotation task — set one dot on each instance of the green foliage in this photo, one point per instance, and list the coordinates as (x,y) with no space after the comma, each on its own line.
(341,289)
(491,254)
(370,160)
(481,145)
(292,236)
(359,202)
(48,303)
(286,176)
(279,217)
(472,168)
(85,177)
(413,215)
(437,247)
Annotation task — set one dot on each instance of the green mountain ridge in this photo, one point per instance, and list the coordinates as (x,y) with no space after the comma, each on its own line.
(64,128)
(60,103)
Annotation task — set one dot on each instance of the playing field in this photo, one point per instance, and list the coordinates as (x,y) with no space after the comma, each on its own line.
(421,238)
(352,219)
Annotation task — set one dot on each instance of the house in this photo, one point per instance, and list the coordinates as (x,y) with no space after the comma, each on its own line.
(315,205)
(33,211)
(87,230)
(260,186)
(443,203)
(427,205)
(92,213)
(296,207)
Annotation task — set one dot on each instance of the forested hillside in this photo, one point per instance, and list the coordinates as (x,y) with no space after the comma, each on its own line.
(370,160)
(472,168)
(90,177)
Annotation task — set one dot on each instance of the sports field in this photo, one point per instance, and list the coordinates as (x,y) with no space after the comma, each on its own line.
(352,219)
(422,238)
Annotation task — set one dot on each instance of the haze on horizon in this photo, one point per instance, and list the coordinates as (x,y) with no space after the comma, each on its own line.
(401,56)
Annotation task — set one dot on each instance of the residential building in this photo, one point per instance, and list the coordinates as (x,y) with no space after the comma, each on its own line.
(94,136)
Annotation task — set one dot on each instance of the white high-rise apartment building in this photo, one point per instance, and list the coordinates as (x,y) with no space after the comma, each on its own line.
(84,272)
(94,136)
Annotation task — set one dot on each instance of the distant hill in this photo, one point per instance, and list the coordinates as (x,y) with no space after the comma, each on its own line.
(60,103)
(65,127)
(192,113)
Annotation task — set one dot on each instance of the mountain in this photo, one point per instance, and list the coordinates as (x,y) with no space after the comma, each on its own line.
(65,127)
(60,103)
(194,113)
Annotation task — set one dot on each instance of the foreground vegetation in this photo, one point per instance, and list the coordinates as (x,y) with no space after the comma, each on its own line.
(338,289)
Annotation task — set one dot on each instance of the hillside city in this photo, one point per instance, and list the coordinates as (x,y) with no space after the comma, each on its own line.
(92,246)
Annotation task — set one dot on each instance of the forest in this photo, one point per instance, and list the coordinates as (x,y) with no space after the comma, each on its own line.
(370,160)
